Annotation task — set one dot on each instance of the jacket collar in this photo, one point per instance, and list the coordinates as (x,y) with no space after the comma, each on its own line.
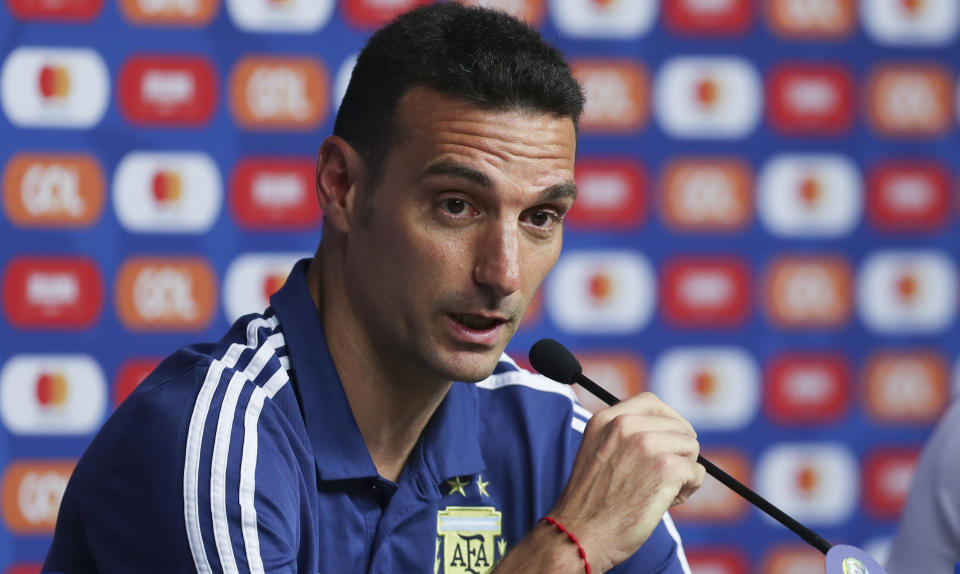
(449,445)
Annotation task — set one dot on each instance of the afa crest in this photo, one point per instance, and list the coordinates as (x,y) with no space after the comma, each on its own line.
(468,540)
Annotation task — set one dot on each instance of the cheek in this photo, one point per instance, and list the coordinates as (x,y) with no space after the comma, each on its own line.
(445,252)
(419,265)
(537,264)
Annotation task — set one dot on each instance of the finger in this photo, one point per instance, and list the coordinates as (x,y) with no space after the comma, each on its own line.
(645,404)
(642,431)
(692,484)
(636,423)
(634,446)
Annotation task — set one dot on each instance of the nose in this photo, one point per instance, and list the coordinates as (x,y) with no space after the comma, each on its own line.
(498,265)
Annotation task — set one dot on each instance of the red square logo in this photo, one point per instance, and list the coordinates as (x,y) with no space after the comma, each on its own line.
(700,17)
(611,194)
(810,99)
(161,90)
(52,292)
(131,374)
(65,10)
(908,196)
(807,388)
(706,291)
(375,13)
(887,476)
(717,560)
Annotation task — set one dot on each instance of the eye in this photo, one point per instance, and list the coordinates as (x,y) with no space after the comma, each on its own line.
(543,219)
(454,205)
(457,208)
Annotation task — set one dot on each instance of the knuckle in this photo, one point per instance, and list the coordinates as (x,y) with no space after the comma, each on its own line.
(599,419)
(618,428)
(663,463)
(648,397)
(592,425)
(646,443)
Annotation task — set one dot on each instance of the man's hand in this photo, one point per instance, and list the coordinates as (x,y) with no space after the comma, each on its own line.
(637,459)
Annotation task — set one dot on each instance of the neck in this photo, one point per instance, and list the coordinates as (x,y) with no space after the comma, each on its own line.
(391,400)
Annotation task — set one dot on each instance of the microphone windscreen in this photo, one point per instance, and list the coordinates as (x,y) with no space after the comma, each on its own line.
(553,360)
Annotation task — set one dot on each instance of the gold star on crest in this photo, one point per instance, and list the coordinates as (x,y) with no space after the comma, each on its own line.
(456,485)
(482,486)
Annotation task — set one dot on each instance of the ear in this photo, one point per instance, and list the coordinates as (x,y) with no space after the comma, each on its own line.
(340,171)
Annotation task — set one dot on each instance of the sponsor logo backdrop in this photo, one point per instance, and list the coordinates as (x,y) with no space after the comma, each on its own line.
(766,234)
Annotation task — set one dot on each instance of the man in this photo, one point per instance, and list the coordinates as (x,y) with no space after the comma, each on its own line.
(327,434)
(928,537)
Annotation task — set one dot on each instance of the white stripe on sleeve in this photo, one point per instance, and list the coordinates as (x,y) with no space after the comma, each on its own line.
(248,468)
(198,418)
(672,529)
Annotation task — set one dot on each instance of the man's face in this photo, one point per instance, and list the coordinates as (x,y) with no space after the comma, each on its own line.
(465,223)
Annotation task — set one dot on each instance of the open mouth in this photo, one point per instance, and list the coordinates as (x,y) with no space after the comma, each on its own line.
(477,322)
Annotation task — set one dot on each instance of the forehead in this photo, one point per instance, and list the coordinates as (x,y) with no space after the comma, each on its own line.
(438,125)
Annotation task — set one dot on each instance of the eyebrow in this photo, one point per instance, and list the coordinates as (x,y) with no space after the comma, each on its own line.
(458,170)
(560,191)
(449,168)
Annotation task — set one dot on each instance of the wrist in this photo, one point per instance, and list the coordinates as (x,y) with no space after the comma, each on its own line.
(543,549)
(571,537)
(589,538)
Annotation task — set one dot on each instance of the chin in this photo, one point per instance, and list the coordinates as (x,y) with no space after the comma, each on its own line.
(470,369)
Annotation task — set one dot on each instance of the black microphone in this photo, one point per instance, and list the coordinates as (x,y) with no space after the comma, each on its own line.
(555,361)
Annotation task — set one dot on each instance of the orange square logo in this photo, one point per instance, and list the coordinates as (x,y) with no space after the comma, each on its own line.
(805,20)
(910,101)
(31,493)
(166,294)
(530,11)
(170,12)
(618,95)
(623,374)
(715,503)
(707,195)
(41,190)
(906,387)
(809,292)
(279,93)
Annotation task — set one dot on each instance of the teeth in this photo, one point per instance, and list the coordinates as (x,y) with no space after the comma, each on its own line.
(475,322)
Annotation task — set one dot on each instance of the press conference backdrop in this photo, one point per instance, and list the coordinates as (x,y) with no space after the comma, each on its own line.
(766,232)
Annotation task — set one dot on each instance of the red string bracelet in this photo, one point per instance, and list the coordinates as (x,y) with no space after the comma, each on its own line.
(561,528)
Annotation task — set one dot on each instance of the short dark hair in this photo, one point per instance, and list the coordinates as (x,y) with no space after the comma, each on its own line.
(480,55)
